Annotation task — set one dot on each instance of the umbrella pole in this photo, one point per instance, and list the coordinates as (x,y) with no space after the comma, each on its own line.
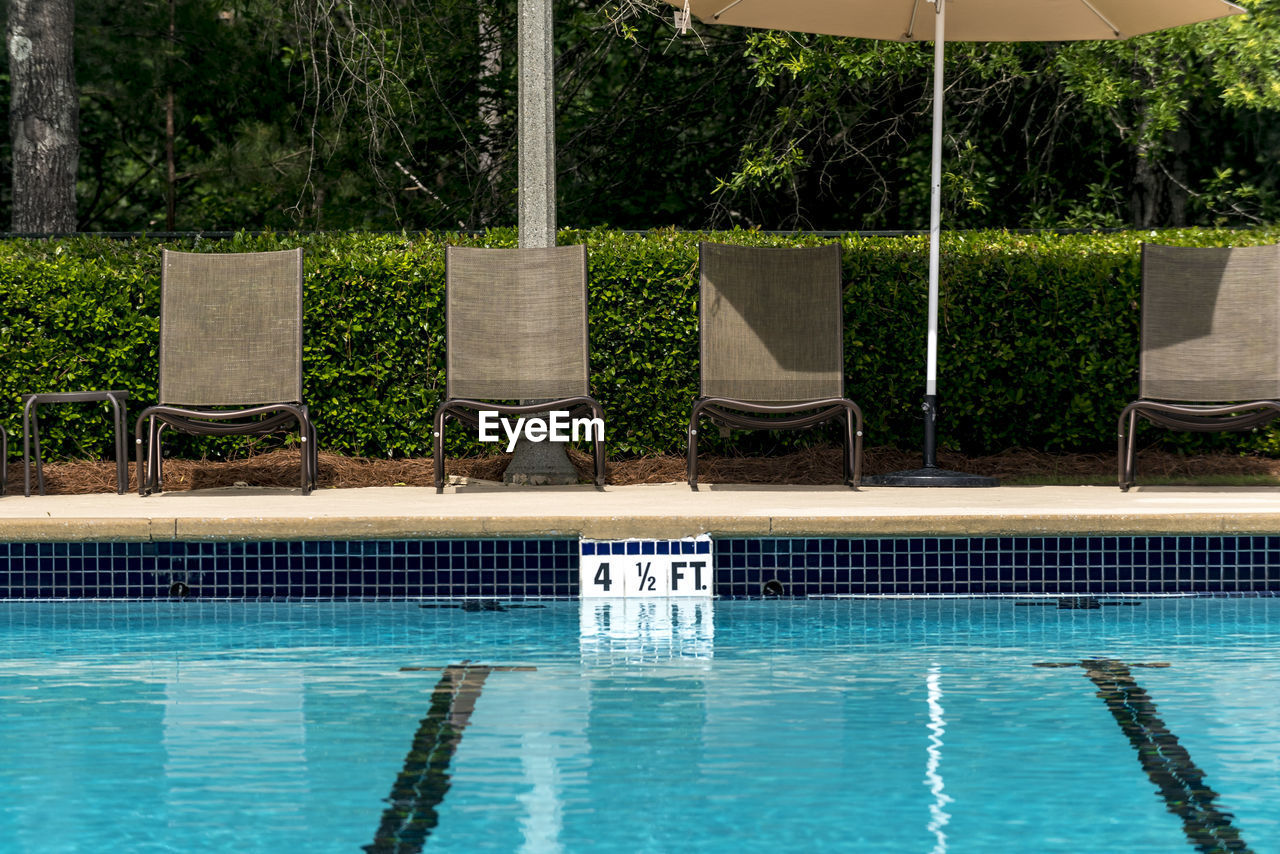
(930,474)
(935,239)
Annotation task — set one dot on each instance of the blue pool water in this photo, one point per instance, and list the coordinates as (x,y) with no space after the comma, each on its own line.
(821,725)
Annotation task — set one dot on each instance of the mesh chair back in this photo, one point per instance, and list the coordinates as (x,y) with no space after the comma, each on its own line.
(771,323)
(230,328)
(1210,323)
(516,323)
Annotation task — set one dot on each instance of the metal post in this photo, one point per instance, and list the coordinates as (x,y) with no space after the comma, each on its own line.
(930,474)
(537,126)
(537,462)
(935,240)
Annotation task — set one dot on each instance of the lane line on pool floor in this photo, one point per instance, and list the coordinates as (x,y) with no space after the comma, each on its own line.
(1167,763)
(421,785)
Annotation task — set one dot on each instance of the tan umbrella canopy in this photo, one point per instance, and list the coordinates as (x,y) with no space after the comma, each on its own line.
(955,20)
(966,20)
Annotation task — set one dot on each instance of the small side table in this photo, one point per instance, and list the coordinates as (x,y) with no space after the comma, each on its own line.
(31,427)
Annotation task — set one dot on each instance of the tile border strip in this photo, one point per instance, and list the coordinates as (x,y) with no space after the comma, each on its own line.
(745,567)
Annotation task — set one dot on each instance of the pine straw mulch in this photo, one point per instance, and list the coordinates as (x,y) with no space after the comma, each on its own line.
(813,466)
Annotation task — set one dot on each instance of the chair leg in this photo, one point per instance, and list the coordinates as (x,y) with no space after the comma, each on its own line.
(35,439)
(1132,464)
(140,455)
(155,456)
(314,452)
(304,459)
(155,475)
(1120,449)
(118,423)
(597,447)
(122,432)
(26,448)
(691,469)
(304,452)
(437,448)
(853,445)
(1125,442)
(308,452)
(847,446)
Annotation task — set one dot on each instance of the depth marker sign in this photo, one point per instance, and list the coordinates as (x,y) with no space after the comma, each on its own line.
(650,568)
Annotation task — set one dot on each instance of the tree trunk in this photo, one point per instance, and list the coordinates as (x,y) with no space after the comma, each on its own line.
(1158,197)
(44,115)
(171,166)
(1179,152)
(1144,195)
(488,197)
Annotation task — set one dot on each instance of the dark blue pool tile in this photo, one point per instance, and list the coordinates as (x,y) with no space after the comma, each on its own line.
(991,565)
(806,566)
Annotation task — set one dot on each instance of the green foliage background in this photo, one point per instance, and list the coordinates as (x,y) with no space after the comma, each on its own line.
(1038,346)
(401,114)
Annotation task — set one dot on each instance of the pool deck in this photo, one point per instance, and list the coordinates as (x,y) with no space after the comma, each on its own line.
(650,511)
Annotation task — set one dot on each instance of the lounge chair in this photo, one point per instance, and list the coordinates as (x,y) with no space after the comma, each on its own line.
(771,327)
(1210,345)
(230,354)
(516,330)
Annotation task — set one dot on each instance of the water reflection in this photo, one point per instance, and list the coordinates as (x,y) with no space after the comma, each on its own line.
(938,815)
(646,631)
(235,742)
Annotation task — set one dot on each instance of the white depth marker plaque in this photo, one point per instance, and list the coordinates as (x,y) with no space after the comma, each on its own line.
(649,568)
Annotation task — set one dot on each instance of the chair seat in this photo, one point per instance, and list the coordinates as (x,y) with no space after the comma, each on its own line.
(1210,344)
(1209,418)
(230,354)
(516,329)
(760,415)
(771,345)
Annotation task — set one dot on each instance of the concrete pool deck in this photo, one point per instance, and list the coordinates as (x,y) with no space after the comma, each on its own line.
(651,511)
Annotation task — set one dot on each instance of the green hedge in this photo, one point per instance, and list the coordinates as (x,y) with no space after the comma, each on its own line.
(1038,342)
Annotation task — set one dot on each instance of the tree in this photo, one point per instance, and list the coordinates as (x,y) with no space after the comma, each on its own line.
(389,114)
(43,114)
(1173,128)
(237,159)
(1196,108)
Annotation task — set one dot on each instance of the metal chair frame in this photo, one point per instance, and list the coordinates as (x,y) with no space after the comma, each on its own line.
(1201,416)
(729,412)
(1196,418)
(267,420)
(31,404)
(255,420)
(466,409)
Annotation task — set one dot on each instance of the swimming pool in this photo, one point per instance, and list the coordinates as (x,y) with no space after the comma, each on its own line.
(781,725)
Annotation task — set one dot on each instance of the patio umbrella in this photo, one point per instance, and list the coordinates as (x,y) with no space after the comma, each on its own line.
(969,20)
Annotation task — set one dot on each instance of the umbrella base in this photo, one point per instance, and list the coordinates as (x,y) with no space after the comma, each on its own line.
(931,476)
